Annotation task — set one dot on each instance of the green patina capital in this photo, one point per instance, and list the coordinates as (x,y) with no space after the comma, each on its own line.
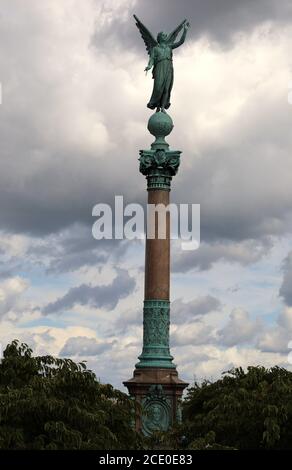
(159,166)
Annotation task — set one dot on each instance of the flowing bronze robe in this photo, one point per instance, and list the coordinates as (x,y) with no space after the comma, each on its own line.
(161,56)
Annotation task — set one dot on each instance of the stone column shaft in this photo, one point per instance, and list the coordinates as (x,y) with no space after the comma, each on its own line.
(157,254)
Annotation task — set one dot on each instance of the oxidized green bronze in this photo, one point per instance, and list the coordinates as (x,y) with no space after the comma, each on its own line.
(156,335)
(160,125)
(160,52)
(159,166)
(156,411)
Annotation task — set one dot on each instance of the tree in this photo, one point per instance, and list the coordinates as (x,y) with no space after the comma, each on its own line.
(242,410)
(50,403)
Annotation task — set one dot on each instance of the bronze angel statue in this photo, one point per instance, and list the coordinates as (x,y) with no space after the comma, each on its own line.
(160,52)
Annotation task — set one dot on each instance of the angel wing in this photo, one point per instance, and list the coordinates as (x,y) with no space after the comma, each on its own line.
(147,37)
(172,36)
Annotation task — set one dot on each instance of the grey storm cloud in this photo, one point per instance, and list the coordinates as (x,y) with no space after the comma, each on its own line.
(49,181)
(84,346)
(6,273)
(244,253)
(63,252)
(78,248)
(184,312)
(70,249)
(219,19)
(104,296)
(286,287)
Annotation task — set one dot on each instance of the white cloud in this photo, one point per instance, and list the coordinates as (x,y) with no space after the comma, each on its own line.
(83,346)
(209,361)
(240,328)
(277,338)
(11,292)
(191,334)
(285,319)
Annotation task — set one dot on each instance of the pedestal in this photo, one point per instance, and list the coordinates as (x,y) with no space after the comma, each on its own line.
(158,392)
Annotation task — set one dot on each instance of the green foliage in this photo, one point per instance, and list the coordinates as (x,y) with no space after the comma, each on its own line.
(49,403)
(177,440)
(243,410)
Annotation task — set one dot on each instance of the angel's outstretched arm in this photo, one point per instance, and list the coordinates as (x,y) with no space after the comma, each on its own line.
(182,39)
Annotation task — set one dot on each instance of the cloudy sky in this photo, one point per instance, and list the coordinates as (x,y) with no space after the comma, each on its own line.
(72,121)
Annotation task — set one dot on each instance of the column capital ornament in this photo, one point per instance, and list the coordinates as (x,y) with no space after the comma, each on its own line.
(159,166)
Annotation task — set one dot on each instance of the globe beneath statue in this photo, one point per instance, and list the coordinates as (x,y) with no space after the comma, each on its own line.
(160,125)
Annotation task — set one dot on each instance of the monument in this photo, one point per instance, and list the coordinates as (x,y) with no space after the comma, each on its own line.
(155,385)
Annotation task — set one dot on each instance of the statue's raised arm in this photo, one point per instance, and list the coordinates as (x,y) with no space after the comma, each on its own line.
(172,36)
(160,52)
